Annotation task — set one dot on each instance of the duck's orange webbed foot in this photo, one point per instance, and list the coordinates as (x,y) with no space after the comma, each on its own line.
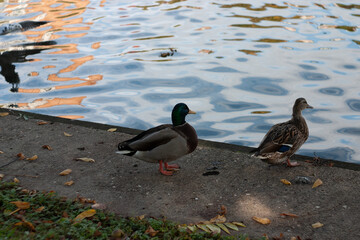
(292,164)
(164,171)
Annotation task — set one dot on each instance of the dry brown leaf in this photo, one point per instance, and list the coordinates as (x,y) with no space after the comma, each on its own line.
(47,147)
(16,180)
(289,215)
(203,28)
(141,217)
(3,114)
(112,129)
(21,205)
(40,209)
(317,183)
(223,210)
(2,176)
(21,156)
(32,158)
(65,172)
(27,224)
(85,214)
(264,221)
(218,219)
(84,159)
(67,134)
(42,123)
(69,183)
(151,232)
(317,225)
(1,152)
(285,181)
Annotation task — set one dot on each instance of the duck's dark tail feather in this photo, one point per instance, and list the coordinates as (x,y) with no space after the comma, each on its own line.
(124,149)
(255,152)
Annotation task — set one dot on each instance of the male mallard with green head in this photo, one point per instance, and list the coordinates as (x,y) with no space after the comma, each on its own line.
(164,143)
(284,139)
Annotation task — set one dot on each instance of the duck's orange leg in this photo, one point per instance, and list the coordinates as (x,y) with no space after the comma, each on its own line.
(163,171)
(171,166)
(291,164)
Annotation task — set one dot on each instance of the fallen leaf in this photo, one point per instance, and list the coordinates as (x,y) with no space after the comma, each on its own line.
(21,156)
(21,205)
(26,224)
(16,180)
(192,228)
(223,210)
(2,176)
(112,129)
(42,123)
(260,112)
(32,158)
(239,224)
(67,134)
(151,232)
(141,217)
(203,28)
(40,209)
(317,225)
(223,227)
(3,114)
(286,182)
(317,183)
(218,219)
(231,226)
(69,183)
(264,221)
(84,159)
(289,215)
(85,214)
(47,147)
(203,227)
(213,228)
(65,172)
(1,152)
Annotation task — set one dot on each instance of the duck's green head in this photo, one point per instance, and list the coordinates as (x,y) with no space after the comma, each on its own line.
(179,113)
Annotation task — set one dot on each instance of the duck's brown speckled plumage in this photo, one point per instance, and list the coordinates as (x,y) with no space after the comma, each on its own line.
(290,135)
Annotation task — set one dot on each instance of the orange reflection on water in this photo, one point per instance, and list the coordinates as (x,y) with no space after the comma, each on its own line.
(51,102)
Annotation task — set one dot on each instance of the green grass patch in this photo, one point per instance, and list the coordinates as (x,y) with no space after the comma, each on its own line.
(45,215)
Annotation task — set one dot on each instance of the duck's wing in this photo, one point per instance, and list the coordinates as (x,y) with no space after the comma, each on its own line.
(281,137)
(150,139)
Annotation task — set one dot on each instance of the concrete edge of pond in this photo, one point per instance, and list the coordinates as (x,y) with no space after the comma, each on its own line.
(132,131)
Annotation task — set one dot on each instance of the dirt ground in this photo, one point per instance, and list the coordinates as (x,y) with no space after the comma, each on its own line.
(214,175)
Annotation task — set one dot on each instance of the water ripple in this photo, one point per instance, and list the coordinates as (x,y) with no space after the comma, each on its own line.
(262,85)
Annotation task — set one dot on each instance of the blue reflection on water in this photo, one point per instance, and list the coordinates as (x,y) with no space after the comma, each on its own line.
(262,85)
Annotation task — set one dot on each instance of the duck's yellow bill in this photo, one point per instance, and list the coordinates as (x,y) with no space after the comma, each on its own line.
(192,112)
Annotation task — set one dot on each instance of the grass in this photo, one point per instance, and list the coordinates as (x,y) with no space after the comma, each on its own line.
(45,215)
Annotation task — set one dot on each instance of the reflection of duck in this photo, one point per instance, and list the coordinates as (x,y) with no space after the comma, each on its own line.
(21,26)
(9,57)
(164,143)
(284,139)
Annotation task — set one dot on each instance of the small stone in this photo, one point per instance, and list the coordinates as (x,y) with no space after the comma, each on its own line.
(302,180)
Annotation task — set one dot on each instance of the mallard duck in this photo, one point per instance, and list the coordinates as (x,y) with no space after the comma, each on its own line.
(284,139)
(164,143)
(21,26)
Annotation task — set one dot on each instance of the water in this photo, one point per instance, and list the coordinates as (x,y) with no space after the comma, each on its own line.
(240,65)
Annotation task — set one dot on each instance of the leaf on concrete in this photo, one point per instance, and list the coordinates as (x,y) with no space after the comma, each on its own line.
(317,183)
(289,215)
(47,147)
(21,156)
(16,180)
(1,152)
(21,205)
(203,227)
(65,172)
(85,214)
(223,227)
(317,225)
(42,122)
(69,183)
(218,219)
(40,209)
(213,228)
(240,224)
(285,181)
(32,158)
(151,232)
(112,129)
(264,221)
(67,134)
(84,159)
(231,226)
(3,114)
(2,176)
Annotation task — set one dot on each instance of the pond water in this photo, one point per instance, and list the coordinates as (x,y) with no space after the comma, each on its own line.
(240,65)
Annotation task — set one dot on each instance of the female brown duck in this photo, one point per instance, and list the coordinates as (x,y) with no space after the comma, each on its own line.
(284,139)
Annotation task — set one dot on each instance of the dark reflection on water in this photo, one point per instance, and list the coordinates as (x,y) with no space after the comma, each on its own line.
(335,91)
(314,76)
(350,130)
(354,104)
(262,85)
(223,105)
